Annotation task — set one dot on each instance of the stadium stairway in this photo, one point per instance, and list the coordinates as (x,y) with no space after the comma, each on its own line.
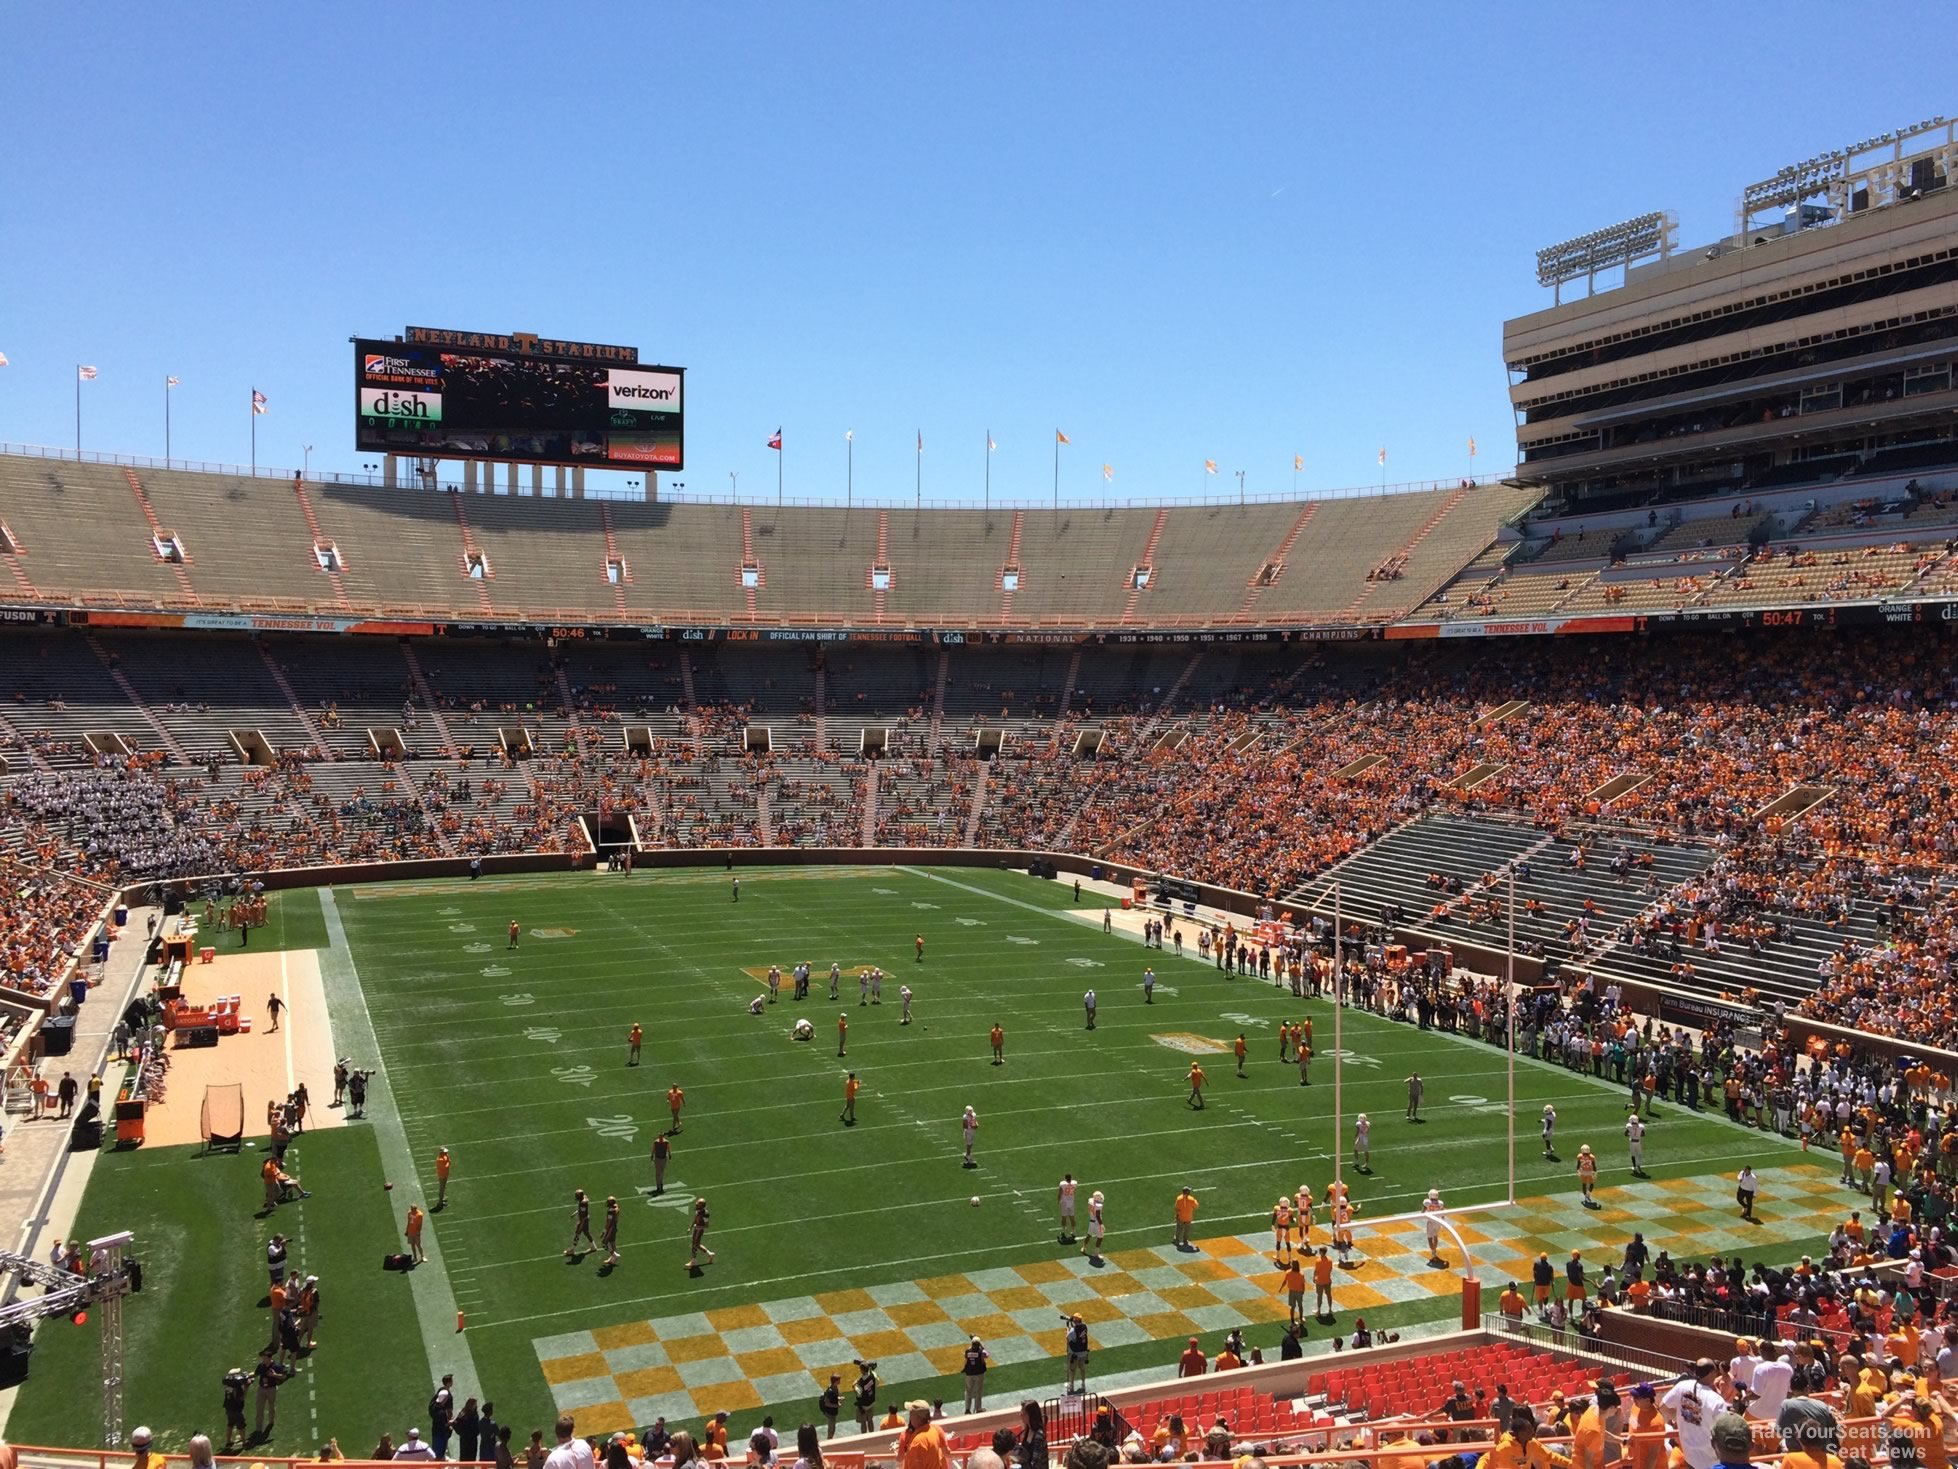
(1395,870)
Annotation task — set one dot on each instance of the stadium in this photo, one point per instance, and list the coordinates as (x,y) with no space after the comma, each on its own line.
(931,983)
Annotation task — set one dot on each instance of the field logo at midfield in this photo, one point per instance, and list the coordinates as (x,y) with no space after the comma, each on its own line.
(553,933)
(1190,1045)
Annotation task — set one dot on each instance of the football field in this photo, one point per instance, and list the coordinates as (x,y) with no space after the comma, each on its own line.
(833,1242)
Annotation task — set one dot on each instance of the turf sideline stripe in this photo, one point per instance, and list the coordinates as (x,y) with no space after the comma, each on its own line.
(353,1033)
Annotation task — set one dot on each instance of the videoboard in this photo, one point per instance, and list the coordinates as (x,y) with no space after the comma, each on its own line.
(454,395)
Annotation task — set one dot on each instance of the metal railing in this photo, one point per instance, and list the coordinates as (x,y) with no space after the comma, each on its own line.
(1547,1338)
(411,483)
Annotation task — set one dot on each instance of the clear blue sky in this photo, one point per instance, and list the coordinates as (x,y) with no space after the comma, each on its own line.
(1177,232)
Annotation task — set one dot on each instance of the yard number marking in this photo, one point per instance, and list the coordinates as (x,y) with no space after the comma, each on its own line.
(575,1075)
(620,1127)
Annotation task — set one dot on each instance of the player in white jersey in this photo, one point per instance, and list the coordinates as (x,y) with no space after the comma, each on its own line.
(1431,1208)
(1635,1141)
(1064,1196)
(1097,1226)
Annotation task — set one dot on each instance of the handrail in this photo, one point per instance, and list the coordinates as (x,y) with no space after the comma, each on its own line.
(412,484)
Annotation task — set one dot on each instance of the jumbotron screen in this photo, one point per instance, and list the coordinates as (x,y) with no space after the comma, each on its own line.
(436,402)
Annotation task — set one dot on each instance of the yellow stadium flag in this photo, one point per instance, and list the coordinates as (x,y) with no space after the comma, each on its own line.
(1471,446)
(1108,471)
(1298,463)
(1061,438)
(1383,458)
(1210,466)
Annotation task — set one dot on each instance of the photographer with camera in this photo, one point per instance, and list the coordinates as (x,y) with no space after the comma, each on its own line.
(865,1392)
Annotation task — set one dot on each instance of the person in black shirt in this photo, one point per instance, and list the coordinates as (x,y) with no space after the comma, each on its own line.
(830,1404)
(236,1382)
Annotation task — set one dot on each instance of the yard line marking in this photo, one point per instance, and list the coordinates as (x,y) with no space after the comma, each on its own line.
(435,1302)
(286,1004)
(1522,1059)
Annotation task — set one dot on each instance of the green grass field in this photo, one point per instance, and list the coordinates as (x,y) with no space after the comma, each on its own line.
(517,1063)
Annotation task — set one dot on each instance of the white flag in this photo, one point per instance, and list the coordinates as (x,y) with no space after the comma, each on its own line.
(3,359)
(258,401)
(87,374)
(171,382)
(849,436)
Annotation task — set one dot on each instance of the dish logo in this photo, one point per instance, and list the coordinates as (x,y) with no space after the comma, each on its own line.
(402,408)
(654,392)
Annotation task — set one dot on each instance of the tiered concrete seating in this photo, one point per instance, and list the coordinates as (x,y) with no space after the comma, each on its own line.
(947,564)
(1077,563)
(202,688)
(686,560)
(1862,574)
(1437,551)
(57,691)
(1709,531)
(401,549)
(1584,545)
(1531,593)
(249,544)
(82,533)
(1395,870)
(1209,554)
(1678,586)
(1465,593)
(364,678)
(818,560)
(1326,573)
(543,554)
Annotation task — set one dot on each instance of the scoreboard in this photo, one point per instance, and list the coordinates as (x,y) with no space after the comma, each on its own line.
(458,395)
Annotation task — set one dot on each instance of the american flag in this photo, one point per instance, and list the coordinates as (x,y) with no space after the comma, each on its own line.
(258,401)
(87,374)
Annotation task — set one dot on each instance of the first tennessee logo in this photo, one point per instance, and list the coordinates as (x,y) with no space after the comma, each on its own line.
(379,365)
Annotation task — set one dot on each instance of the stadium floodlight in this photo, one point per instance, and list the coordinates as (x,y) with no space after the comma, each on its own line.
(1827,174)
(1620,244)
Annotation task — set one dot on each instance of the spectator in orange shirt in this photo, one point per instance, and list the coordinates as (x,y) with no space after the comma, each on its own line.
(1186,1213)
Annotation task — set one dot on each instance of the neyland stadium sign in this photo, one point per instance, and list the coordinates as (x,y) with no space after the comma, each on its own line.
(522,344)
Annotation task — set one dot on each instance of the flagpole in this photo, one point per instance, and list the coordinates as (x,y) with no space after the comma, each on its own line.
(253,406)
(1057,473)
(989,471)
(849,468)
(780,454)
(166,420)
(920,471)
(78,410)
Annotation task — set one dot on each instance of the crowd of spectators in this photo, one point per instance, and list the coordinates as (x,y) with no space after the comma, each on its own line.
(1248,794)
